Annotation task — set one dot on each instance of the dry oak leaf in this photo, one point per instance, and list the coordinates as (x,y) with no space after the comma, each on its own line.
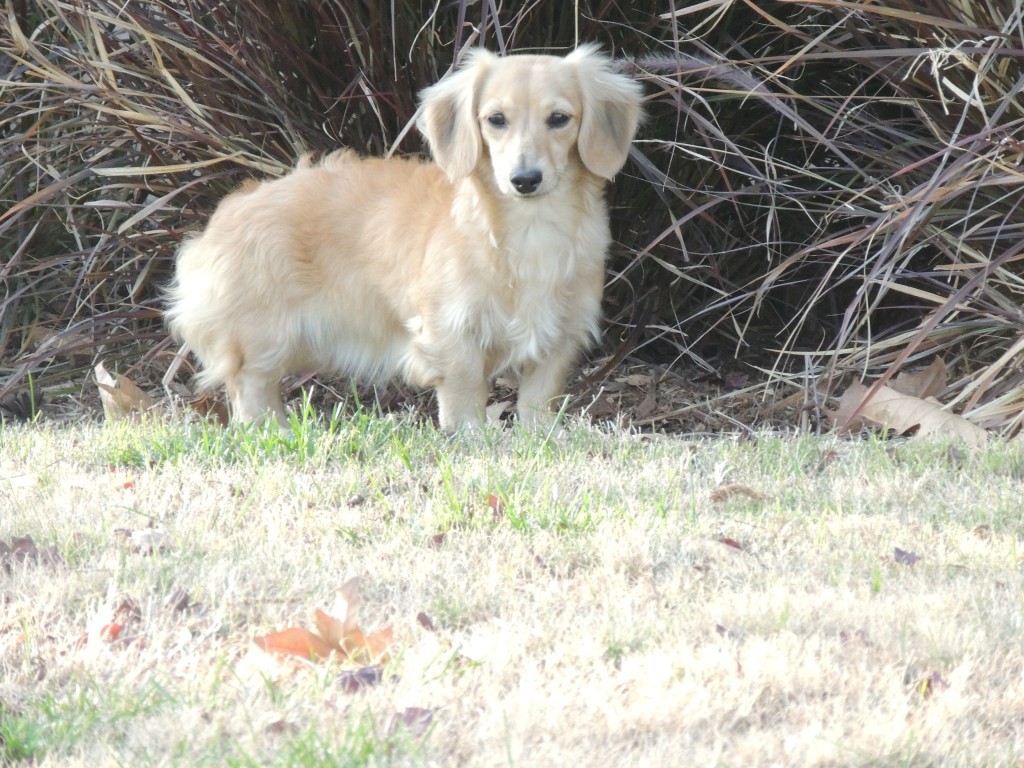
(210,408)
(925,383)
(120,396)
(889,408)
(337,634)
(296,641)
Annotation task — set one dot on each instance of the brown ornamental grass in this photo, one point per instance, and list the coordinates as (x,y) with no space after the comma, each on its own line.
(825,191)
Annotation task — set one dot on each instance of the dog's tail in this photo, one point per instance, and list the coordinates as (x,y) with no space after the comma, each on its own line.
(193,315)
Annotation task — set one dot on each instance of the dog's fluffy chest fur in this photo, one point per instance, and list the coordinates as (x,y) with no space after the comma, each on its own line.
(539,257)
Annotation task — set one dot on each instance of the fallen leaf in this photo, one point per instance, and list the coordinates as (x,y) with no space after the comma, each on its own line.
(124,640)
(127,611)
(337,634)
(111,632)
(494,411)
(341,622)
(145,541)
(497,507)
(646,407)
(437,539)
(415,720)
(281,726)
(295,641)
(425,621)
(905,558)
(354,680)
(347,599)
(332,630)
(108,628)
(924,383)
(370,648)
(211,408)
(931,684)
(68,345)
(178,601)
(20,406)
(120,396)
(730,543)
(726,492)
(831,456)
(636,379)
(23,549)
(736,380)
(902,413)
(728,633)
(983,531)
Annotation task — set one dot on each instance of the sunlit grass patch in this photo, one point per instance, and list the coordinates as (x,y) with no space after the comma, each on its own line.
(768,599)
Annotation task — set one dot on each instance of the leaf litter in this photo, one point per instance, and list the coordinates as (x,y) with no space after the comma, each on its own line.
(906,406)
(735,490)
(903,557)
(414,720)
(116,628)
(144,541)
(335,638)
(121,397)
(930,684)
(23,550)
(497,506)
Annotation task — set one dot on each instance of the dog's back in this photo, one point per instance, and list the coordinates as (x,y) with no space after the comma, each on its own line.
(287,275)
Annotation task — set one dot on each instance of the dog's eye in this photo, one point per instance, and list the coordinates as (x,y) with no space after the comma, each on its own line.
(558,120)
(497,120)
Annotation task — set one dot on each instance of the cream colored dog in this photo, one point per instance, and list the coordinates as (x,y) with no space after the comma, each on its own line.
(446,274)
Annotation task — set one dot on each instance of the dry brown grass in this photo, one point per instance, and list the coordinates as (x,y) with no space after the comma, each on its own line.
(599,621)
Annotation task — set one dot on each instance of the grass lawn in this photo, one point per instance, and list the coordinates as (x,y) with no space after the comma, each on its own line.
(591,599)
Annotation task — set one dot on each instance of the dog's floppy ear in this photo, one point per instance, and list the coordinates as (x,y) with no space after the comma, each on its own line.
(611,112)
(448,119)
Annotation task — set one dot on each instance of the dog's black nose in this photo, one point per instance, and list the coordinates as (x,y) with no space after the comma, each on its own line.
(526,181)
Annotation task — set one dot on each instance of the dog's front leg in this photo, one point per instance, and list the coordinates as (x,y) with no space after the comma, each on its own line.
(462,393)
(540,384)
(255,397)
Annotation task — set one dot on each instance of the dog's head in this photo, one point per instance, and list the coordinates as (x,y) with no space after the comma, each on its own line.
(526,118)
